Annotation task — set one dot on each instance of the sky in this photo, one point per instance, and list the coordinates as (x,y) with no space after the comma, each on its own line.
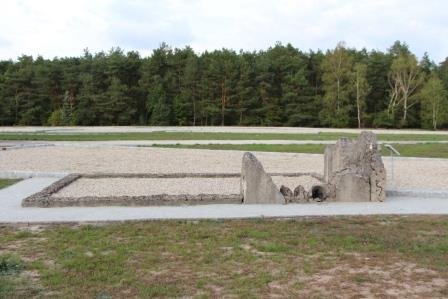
(65,28)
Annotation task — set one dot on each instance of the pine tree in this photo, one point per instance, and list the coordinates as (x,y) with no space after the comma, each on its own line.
(158,106)
(86,109)
(67,110)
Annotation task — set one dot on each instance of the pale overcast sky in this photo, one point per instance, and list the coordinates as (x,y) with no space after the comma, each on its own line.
(64,28)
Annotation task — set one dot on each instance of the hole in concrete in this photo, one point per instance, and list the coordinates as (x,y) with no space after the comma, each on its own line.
(318,193)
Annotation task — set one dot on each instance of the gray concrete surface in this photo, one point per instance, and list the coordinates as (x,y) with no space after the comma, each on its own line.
(12,212)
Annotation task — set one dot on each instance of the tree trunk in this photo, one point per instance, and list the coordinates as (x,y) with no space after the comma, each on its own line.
(405,107)
(434,118)
(194,108)
(357,104)
(223,101)
(337,96)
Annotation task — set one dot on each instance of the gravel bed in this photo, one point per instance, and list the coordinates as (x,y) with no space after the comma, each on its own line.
(419,173)
(104,187)
(148,186)
(148,160)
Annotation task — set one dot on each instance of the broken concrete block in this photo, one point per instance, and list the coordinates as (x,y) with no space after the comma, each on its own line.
(300,193)
(256,185)
(375,167)
(372,165)
(328,161)
(355,169)
(352,187)
(287,194)
(285,191)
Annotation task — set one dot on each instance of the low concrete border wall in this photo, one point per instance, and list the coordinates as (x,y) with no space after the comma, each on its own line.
(44,198)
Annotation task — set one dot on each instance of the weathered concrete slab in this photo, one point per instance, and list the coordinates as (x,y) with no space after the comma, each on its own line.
(256,185)
(354,169)
(351,187)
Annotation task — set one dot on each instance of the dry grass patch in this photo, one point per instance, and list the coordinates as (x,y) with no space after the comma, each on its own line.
(315,257)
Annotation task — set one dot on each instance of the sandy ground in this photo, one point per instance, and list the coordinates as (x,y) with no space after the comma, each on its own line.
(409,173)
(126,129)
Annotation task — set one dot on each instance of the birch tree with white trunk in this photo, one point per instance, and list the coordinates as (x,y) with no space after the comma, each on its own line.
(361,89)
(405,78)
(434,103)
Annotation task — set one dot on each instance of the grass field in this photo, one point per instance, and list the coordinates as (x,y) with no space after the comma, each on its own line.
(427,150)
(209,136)
(316,257)
(7,182)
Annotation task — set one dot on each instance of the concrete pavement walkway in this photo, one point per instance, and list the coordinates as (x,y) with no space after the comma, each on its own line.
(12,212)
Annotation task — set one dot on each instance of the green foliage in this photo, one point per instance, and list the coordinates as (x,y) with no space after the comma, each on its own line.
(280,86)
(405,78)
(164,135)
(157,105)
(55,118)
(360,90)
(67,110)
(10,265)
(434,103)
(337,67)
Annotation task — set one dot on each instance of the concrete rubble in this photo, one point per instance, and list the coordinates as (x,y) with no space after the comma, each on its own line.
(256,185)
(353,171)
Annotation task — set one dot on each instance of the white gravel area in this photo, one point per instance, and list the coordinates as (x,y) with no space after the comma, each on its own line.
(420,173)
(147,160)
(103,187)
(149,186)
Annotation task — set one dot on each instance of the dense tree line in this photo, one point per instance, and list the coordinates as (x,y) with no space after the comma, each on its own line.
(281,86)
